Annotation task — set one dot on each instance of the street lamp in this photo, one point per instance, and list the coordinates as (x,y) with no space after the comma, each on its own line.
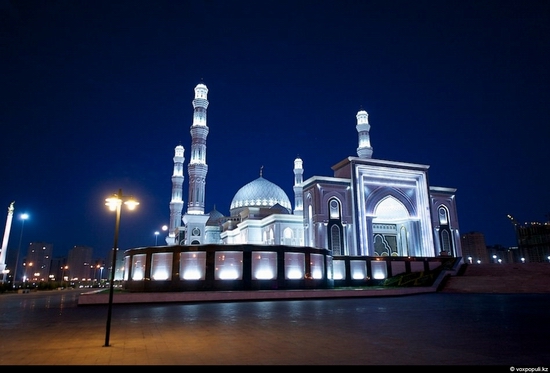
(23,218)
(156,237)
(115,203)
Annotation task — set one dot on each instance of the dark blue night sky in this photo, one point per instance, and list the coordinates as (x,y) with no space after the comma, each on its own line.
(97,94)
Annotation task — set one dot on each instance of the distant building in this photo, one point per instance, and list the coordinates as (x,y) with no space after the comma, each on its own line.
(37,262)
(474,249)
(79,263)
(56,270)
(501,254)
(119,267)
(534,241)
(99,269)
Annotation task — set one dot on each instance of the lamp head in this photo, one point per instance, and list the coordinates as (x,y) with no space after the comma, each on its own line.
(131,204)
(113,202)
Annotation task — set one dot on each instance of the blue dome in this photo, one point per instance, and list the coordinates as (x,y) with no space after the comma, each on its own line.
(214,217)
(260,193)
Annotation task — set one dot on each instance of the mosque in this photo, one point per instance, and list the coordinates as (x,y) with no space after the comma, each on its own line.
(371,219)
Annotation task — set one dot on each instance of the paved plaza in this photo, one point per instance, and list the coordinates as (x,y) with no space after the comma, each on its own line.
(437,328)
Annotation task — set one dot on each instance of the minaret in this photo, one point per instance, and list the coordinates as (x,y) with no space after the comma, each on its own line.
(176,203)
(5,242)
(298,189)
(194,220)
(364,150)
(197,167)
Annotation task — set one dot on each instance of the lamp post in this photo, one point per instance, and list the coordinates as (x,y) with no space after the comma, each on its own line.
(115,203)
(23,218)
(156,237)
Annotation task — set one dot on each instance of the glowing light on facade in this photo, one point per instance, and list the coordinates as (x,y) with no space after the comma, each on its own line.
(229,265)
(294,266)
(161,266)
(390,209)
(138,267)
(317,263)
(126,273)
(193,265)
(358,269)
(264,265)
(379,270)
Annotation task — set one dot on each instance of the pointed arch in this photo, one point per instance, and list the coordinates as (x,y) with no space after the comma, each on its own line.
(390,222)
(335,228)
(383,192)
(446,244)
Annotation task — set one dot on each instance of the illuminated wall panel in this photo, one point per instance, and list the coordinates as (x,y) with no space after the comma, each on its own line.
(138,267)
(329,267)
(317,262)
(294,266)
(358,269)
(339,269)
(229,265)
(379,270)
(264,265)
(161,266)
(193,265)
(126,274)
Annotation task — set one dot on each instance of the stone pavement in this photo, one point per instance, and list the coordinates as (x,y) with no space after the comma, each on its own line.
(436,328)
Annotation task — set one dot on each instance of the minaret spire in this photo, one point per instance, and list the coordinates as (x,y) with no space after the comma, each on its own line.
(298,189)
(363,127)
(176,203)
(197,167)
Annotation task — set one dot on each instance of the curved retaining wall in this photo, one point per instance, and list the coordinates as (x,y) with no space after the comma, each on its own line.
(257,267)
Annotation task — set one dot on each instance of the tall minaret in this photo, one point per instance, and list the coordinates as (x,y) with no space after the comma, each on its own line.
(197,167)
(194,220)
(5,242)
(364,150)
(176,203)
(298,189)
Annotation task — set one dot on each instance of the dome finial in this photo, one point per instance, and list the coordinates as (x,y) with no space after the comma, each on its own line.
(261,171)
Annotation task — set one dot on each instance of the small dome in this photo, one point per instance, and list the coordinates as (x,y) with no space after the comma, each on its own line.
(260,193)
(214,217)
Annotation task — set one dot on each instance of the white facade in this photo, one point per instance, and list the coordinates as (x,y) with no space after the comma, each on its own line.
(368,207)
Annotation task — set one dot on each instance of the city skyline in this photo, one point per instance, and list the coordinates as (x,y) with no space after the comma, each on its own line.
(98,95)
